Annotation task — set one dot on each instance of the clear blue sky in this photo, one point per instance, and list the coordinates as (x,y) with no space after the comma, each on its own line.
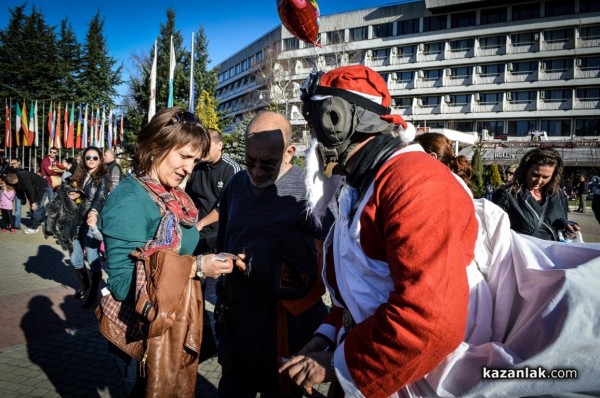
(131,26)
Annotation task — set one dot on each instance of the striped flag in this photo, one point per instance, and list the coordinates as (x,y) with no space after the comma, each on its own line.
(84,138)
(27,141)
(152,108)
(7,130)
(78,139)
(36,140)
(71,139)
(122,130)
(102,138)
(171,74)
(31,125)
(57,135)
(18,125)
(66,125)
(97,127)
(114,140)
(50,126)
(110,128)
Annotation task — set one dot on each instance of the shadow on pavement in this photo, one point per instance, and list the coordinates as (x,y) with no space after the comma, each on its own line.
(75,359)
(48,264)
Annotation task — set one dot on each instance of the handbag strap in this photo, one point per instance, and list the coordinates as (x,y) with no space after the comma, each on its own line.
(541,217)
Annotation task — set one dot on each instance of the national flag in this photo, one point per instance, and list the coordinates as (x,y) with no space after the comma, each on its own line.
(114,140)
(102,138)
(31,125)
(110,128)
(171,74)
(57,135)
(36,140)
(27,141)
(66,125)
(18,125)
(84,138)
(78,139)
(50,126)
(152,108)
(7,129)
(97,127)
(192,99)
(71,139)
(122,130)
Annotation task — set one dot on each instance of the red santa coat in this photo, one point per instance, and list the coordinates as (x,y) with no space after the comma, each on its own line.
(399,268)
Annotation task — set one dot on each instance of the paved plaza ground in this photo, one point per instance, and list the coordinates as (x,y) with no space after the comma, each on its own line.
(51,347)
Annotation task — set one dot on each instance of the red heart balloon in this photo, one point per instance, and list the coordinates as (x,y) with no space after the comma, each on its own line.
(301,18)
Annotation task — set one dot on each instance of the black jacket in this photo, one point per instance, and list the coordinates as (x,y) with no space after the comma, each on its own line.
(94,197)
(32,185)
(522,209)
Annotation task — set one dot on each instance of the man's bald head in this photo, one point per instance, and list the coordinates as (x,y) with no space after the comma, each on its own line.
(109,156)
(270,121)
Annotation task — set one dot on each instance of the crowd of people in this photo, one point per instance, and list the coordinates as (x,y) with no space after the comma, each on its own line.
(426,290)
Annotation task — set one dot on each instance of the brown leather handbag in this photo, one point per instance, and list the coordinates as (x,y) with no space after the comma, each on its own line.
(169,307)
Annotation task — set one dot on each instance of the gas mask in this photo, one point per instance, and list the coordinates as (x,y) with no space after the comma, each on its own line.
(339,118)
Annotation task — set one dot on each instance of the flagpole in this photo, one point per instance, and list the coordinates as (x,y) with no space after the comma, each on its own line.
(192,77)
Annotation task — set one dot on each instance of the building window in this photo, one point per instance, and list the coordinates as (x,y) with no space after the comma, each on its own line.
(381,53)
(432,74)
(463,126)
(407,51)
(556,127)
(491,70)
(461,45)
(491,42)
(291,43)
(490,98)
(558,65)
(556,8)
(433,48)
(459,99)
(336,37)
(558,35)
(556,95)
(522,97)
(589,63)
(589,5)
(523,68)
(383,30)
(405,77)
(520,128)
(585,127)
(494,127)
(588,94)
(524,39)
(408,27)
(459,72)
(462,20)
(259,56)
(590,32)
(436,22)
(402,102)
(492,15)
(430,100)
(358,34)
(521,12)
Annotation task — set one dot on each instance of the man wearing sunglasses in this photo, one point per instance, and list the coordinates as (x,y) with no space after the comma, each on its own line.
(50,168)
(270,311)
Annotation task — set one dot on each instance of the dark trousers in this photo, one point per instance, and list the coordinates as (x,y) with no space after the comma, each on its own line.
(596,206)
(7,217)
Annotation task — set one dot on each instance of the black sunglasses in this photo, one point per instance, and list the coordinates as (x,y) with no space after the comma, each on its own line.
(89,157)
(185,117)
(54,152)
(269,167)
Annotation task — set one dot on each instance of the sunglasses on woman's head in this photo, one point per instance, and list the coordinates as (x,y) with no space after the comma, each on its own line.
(89,157)
(186,118)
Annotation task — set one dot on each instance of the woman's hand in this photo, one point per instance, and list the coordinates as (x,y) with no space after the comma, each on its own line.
(308,370)
(74,195)
(92,218)
(34,206)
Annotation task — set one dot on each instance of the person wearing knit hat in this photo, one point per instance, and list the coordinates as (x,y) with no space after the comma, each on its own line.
(396,257)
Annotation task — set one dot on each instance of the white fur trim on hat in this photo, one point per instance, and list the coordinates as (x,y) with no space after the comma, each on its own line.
(408,134)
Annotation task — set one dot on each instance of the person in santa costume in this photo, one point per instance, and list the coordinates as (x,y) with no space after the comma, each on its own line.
(429,293)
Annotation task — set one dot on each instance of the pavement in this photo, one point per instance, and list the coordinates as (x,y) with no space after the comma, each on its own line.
(51,347)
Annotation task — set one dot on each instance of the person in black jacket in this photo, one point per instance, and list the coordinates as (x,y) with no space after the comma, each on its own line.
(533,199)
(33,187)
(90,185)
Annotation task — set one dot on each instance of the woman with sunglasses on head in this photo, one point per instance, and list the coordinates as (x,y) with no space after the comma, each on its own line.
(89,187)
(149,209)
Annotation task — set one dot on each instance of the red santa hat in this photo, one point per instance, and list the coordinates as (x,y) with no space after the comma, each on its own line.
(367,83)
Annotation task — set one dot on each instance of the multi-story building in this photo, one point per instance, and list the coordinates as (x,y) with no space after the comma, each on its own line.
(519,74)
